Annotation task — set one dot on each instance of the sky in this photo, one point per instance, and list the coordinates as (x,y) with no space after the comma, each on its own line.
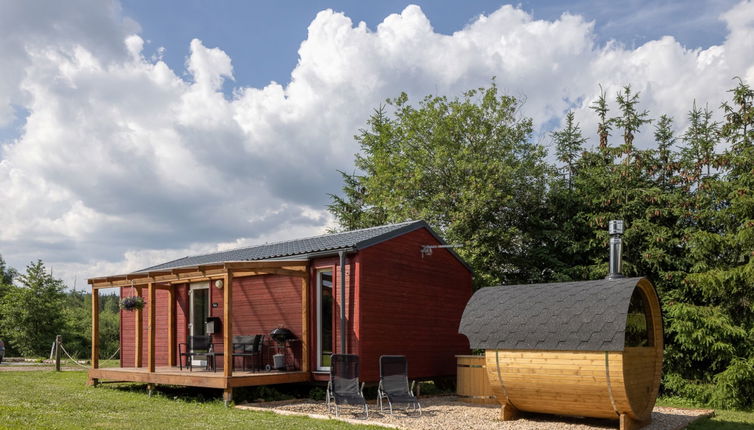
(136,132)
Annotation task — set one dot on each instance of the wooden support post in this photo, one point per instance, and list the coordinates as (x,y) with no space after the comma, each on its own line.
(171,326)
(305,322)
(151,322)
(58,342)
(508,412)
(628,423)
(139,333)
(95,328)
(227,396)
(228,324)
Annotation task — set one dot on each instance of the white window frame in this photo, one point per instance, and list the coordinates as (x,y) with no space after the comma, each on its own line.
(320,367)
(193,287)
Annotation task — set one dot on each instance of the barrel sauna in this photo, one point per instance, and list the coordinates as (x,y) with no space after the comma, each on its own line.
(590,348)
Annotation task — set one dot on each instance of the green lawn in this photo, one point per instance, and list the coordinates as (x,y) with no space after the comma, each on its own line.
(723,420)
(51,400)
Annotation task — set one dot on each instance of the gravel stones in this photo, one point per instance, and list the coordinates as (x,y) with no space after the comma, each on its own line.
(449,413)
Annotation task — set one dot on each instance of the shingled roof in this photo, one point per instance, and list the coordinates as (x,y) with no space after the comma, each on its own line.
(566,316)
(351,240)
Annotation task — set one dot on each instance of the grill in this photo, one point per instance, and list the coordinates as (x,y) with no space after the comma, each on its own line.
(280,336)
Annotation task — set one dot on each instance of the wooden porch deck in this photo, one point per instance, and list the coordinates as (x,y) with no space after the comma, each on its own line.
(196,378)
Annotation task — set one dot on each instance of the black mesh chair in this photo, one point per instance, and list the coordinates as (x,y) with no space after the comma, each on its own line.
(194,346)
(248,347)
(394,383)
(343,387)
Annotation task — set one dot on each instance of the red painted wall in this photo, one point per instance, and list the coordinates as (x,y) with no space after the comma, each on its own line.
(261,304)
(127,332)
(181,315)
(128,328)
(396,303)
(412,306)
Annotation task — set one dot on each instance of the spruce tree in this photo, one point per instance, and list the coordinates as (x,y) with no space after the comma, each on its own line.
(569,143)
(711,316)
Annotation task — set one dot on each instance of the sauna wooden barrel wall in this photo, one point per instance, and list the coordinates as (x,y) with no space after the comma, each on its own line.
(591,348)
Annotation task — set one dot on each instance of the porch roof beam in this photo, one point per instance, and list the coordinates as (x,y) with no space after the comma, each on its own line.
(209,271)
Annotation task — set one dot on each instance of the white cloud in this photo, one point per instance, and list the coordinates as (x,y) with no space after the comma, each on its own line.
(123,162)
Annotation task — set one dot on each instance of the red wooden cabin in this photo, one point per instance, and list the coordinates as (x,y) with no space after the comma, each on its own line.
(404,294)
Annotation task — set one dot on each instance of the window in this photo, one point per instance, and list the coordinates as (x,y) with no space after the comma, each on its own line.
(639,330)
(324,319)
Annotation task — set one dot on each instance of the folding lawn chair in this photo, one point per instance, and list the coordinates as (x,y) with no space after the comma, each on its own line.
(394,383)
(343,387)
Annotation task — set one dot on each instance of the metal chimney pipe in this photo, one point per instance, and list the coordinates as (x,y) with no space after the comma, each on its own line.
(616,249)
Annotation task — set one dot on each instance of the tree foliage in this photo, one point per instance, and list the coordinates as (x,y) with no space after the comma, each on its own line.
(470,169)
(38,308)
(32,313)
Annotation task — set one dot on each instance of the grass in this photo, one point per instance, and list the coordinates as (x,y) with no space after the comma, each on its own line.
(723,419)
(60,400)
(52,400)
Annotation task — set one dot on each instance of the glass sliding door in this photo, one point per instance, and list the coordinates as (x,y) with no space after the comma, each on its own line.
(324,319)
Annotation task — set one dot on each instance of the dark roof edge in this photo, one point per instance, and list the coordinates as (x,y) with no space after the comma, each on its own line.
(416,225)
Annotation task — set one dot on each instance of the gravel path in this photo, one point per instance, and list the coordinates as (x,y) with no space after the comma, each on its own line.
(448,413)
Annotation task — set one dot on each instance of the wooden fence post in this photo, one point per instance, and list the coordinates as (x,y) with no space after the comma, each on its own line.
(58,342)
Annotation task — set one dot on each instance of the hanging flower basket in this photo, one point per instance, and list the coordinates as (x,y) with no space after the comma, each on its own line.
(131,303)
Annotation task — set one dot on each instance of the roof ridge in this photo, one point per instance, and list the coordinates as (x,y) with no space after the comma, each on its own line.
(241,248)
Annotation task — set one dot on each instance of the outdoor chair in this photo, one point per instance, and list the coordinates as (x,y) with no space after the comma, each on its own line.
(394,383)
(194,346)
(248,347)
(343,387)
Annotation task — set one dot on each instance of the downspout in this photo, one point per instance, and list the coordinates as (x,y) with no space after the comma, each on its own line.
(342,255)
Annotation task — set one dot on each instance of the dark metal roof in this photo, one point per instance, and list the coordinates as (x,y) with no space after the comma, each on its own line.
(318,245)
(565,316)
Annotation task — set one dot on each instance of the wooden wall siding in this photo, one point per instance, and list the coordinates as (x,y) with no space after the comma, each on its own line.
(263,303)
(181,315)
(639,368)
(216,296)
(558,382)
(161,329)
(127,332)
(412,306)
(472,383)
(127,321)
(352,310)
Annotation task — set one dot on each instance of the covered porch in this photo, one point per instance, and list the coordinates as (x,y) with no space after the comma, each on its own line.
(197,378)
(142,365)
